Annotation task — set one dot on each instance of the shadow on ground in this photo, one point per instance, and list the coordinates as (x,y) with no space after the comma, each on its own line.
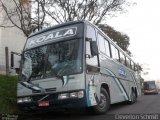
(74,114)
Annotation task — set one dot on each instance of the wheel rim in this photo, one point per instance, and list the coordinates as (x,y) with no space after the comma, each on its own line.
(103,101)
(133,97)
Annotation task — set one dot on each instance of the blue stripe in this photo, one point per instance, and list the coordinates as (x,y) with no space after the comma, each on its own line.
(121,88)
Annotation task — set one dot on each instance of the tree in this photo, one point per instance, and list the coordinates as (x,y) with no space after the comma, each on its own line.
(28,15)
(23,15)
(119,38)
(93,10)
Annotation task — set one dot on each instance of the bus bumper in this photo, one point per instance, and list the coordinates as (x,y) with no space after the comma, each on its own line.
(147,92)
(51,102)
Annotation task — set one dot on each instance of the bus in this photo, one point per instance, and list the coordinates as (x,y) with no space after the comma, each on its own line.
(74,65)
(149,87)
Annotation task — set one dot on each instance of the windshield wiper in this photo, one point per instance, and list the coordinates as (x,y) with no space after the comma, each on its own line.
(31,86)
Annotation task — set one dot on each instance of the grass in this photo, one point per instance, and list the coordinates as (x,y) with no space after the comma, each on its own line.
(8,97)
(8,94)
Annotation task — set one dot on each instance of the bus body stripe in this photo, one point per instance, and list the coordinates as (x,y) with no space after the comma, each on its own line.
(119,84)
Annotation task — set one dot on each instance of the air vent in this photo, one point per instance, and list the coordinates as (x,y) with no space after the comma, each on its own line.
(36,91)
(50,89)
(47,90)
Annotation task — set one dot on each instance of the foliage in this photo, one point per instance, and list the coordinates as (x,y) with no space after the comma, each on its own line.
(92,10)
(121,39)
(8,94)
(29,15)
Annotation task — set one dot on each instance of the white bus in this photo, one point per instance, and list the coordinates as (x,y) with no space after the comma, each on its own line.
(75,65)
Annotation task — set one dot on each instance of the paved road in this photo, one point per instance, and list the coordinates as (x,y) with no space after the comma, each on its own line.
(146,104)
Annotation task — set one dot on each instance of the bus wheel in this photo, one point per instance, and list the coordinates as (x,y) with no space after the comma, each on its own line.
(133,97)
(104,103)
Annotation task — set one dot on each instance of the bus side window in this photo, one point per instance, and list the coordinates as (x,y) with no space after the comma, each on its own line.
(115,54)
(107,47)
(122,59)
(135,67)
(128,62)
(91,33)
(132,65)
(101,43)
(91,61)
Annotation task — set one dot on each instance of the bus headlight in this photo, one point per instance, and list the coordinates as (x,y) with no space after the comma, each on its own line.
(73,95)
(63,96)
(25,99)
(19,100)
(79,94)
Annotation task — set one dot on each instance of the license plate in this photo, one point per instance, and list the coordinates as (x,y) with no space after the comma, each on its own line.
(43,103)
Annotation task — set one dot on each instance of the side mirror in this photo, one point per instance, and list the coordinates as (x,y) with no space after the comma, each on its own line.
(94,48)
(88,39)
(12,58)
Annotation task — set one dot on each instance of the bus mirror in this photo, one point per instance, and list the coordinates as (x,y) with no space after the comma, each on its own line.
(12,58)
(88,39)
(94,48)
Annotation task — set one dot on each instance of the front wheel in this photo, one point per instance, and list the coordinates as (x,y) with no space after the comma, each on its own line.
(104,103)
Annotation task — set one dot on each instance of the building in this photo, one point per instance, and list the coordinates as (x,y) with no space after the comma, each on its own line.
(12,38)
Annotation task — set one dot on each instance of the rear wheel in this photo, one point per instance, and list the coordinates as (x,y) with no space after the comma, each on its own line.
(133,97)
(104,103)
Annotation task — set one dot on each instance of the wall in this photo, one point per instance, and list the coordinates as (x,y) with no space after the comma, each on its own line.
(12,38)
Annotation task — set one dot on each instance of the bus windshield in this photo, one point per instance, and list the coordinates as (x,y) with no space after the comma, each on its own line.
(52,60)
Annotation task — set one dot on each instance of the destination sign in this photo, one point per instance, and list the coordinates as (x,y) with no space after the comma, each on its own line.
(50,36)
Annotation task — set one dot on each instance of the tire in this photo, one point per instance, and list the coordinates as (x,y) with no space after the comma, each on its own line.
(133,97)
(104,104)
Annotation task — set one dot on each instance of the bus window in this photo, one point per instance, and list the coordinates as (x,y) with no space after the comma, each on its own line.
(128,62)
(122,58)
(107,48)
(91,33)
(101,43)
(91,61)
(115,54)
(132,65)
(135,67)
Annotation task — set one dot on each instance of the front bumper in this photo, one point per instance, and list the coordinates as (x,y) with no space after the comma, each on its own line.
(147,92)
(54,102)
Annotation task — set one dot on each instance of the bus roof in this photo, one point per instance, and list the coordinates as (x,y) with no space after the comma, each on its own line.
(57,26)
